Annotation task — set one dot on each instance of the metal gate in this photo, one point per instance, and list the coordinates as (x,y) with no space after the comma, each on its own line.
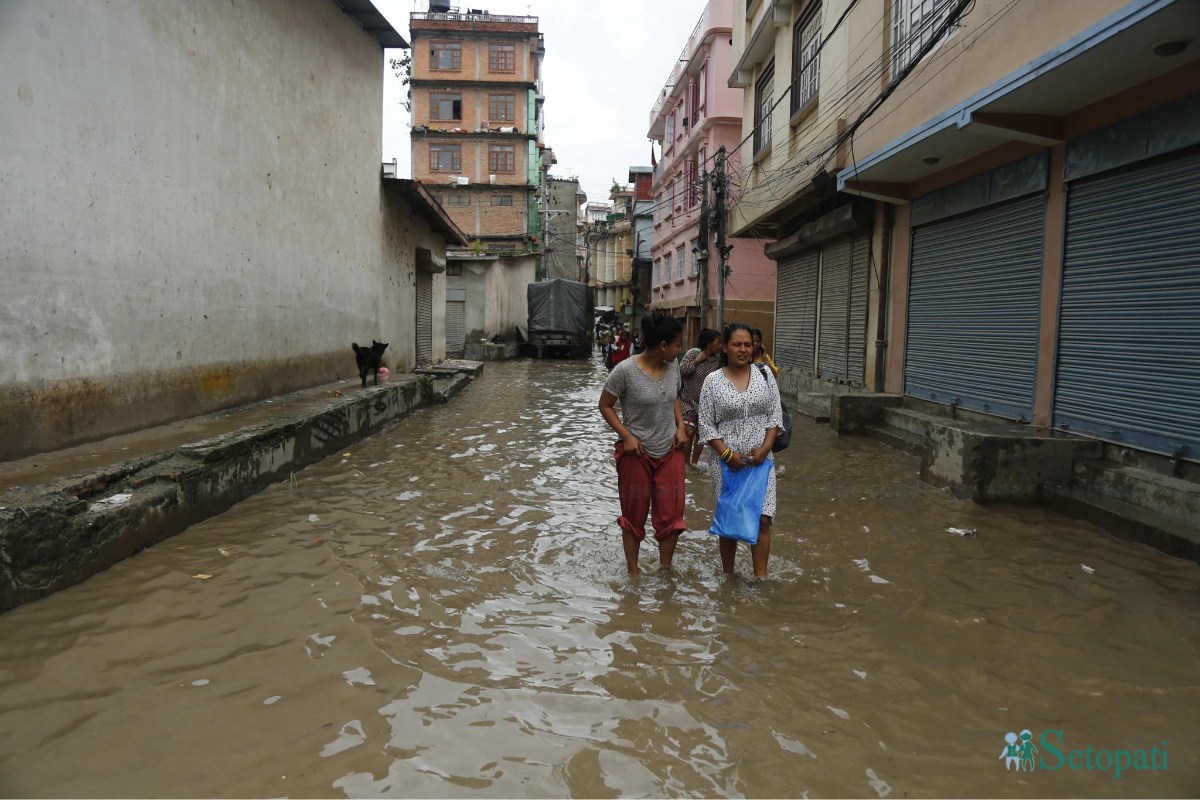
(1128,367)
(796,311)
(844,286)
(424,330)
(456,321)
(973,308)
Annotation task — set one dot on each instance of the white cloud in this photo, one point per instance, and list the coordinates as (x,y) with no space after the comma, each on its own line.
(605,66)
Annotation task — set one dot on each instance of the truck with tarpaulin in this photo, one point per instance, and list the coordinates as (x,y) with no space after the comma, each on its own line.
(560,318)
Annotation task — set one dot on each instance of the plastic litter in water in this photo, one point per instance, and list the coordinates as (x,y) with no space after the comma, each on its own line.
(1087,569)
(202,576)
(111,502)
(313,518)
(962,531)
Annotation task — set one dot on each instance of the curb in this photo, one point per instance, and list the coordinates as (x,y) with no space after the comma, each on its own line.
(60,534)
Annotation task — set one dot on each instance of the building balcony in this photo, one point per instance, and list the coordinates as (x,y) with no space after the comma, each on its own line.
(717,18)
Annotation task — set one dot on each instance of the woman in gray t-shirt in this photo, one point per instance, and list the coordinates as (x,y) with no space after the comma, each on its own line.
(650,461)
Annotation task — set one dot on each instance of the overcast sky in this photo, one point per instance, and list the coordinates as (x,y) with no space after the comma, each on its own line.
(605,65)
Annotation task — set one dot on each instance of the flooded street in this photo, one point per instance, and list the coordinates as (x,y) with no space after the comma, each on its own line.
(444,612)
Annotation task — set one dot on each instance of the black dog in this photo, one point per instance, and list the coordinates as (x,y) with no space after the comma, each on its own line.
(369,358)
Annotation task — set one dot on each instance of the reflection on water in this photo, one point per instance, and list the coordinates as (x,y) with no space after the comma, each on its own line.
(445,613)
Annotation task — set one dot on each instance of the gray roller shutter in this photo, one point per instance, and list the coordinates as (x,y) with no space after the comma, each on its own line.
(844,286)
(860,287)
(835,304)
(1128,367)
(973,308)
(424,318)
(796,311)
(456,323)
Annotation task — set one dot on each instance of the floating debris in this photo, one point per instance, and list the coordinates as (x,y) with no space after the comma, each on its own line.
(202,576)
(1087,569)
(962,531)
(111,502)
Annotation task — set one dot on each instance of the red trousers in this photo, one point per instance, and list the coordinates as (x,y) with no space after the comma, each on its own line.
(655,485)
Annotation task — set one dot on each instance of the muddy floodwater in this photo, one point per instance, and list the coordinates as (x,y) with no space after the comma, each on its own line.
(443,612)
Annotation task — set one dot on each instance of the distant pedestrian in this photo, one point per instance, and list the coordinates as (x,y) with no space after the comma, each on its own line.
(761,356)
(698,363)
(740,413)
(621,347)
(649,456)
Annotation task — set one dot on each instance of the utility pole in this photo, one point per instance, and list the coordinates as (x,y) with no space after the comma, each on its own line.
(702,246)
(722,252)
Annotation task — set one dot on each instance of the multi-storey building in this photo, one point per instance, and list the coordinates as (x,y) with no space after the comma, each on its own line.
(610,243)
(561,209)
(477,123)
(988,207)
(697,113)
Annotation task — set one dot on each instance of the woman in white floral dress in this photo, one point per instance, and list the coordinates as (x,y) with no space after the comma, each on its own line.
(740,413)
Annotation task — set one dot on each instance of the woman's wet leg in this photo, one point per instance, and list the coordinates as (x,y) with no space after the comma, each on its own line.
(762,551)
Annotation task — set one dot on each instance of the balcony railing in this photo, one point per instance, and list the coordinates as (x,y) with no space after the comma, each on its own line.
(455,16)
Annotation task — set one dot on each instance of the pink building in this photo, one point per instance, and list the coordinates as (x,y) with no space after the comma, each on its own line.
(696,113)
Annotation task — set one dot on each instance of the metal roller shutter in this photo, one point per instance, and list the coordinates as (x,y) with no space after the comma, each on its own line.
(1129,321)
(796,312)
(860,287)
(973,308)
(835,306)
(456,326)
(424,318)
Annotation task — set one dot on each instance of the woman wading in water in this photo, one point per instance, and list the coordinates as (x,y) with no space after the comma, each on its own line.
(740,413)
(649,456)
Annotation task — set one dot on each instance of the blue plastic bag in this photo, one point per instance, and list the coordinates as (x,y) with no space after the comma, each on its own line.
(739,508)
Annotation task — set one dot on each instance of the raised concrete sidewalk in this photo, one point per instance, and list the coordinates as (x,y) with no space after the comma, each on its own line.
(67,515)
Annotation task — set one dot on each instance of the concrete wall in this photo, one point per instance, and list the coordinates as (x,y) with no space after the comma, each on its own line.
(193,212)
(507,303)
(496,296)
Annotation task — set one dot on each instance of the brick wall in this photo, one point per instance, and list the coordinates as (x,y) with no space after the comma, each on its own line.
(474,158)
(474,58)
(475,107)
(473,209)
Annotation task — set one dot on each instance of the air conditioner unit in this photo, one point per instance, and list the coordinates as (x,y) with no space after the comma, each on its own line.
(491,178)
(461,180)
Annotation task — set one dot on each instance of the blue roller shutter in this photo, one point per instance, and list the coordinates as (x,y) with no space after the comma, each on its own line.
(1128,366)
(973,308)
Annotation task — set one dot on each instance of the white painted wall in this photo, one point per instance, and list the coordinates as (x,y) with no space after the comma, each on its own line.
(191,211)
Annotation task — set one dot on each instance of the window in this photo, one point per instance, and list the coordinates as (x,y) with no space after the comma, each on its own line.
(445,157)
(695,258)
(806,58)
(445,56)
(669,140)
(502,199)
(913,26)
(671,200)
(502,158)
(694,101)
(666,278)
(764,99)
(457,200)
(445,106)
(703,85)
(502,58)
(658,272)
(680,261)
(502,107)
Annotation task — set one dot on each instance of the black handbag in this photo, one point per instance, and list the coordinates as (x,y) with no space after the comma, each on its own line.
(783,437)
